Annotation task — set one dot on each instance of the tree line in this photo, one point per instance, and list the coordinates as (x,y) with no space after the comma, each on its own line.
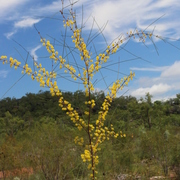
(36,134)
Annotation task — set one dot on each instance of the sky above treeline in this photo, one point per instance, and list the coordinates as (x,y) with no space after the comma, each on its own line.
(156,62)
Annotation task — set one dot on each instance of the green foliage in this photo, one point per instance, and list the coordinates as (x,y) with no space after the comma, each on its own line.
(10,125)
(51,151)
(46,143)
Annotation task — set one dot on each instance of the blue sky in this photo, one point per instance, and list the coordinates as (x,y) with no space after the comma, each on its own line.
(157,74)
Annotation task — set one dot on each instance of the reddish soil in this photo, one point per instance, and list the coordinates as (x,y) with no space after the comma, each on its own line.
(17,172)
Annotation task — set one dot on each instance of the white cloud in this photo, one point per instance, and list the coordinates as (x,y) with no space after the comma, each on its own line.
(56,6)
(157,69)
(9,8)
(163,98)
(10,34)
(121,15)
(154,90)
(125,15)
(26,22)
(10,3)
(48,8)
(164,85)
(33,52)
(172,71)
(3,74)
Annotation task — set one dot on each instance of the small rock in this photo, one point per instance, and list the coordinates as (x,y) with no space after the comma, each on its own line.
(156,177)
(122,176)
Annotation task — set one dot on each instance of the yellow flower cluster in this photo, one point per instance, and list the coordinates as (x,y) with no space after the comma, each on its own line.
(13,62)
(91,128)
(104,111)
(110,132)
(119,84)
(81,46)
(54,55)
(141,35)
(88,86)
(27,69)
(86,156)
(66,106)
(99,136)
(69,23)
(122,135)
(50,49)
(101,133)
(4,59)
(115,47)
(62,61)
(92,103)
(42,76)
(78,140)
(45,78)
(72,71)
(102,58)
(150,35)
(85,56)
